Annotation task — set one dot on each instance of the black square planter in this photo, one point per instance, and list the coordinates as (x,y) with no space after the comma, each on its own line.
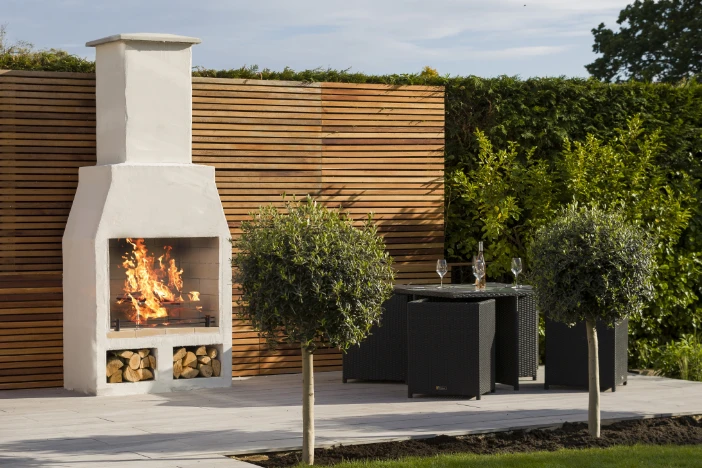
(451,348)
(567,356)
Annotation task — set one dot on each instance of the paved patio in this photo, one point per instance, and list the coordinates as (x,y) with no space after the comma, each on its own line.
(53,427)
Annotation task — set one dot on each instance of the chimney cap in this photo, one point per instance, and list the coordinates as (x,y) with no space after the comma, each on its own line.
(144,37)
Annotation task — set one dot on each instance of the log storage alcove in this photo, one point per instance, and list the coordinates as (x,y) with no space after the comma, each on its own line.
(367,147)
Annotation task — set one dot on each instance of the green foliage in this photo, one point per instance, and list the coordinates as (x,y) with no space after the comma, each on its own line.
(510,195)
(310,274)
(21,55)
(539,115)
(680,359)
(657,41)
(589,264)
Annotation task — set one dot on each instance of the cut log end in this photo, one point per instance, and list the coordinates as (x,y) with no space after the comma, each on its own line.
(177,369)
(145,374)
(130,375)
(190,360)
(115,378)
(180,354)
(212,352)
(216,368)
(114,364)
(205,370)
(134,361)
(201,351)
(189,373)
(143,353)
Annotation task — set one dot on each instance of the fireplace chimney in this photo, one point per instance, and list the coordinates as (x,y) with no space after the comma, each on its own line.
(144,186)
(151,120)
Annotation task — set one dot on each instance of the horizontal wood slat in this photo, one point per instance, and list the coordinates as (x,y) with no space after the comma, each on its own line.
(364,147)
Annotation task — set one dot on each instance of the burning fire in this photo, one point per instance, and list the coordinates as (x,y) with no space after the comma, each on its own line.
(152,282)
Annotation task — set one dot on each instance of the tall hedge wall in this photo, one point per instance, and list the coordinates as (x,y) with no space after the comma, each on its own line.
(536,113)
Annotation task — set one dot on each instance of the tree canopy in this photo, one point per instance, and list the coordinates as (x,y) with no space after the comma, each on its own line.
(657,41)
(589,264)
(309,273)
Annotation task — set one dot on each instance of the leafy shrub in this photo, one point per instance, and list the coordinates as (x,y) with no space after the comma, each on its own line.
(511,194)
(589,265)
(680,359)
(310,274)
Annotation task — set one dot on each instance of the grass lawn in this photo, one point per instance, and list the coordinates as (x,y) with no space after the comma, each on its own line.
(635,457)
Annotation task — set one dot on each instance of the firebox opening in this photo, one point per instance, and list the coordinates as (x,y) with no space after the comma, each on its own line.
(164,282)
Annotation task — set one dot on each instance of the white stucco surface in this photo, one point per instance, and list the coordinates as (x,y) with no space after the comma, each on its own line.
(143,101)
(144,185)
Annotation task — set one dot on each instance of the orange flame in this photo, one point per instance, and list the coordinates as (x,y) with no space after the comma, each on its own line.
(148,286)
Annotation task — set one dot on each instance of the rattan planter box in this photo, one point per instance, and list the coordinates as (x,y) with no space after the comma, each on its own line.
(383,355)
(566,355)
(451,348)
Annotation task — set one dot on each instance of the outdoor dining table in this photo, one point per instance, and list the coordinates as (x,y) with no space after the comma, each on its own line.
(383,356)
(516,323)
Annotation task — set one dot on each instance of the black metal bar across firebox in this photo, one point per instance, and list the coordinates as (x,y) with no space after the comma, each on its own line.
(207,321)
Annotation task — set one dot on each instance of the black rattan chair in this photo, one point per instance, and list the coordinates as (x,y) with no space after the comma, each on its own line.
(567,355)
(451,348)
(383,355)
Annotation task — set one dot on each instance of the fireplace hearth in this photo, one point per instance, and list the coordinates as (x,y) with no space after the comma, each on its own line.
(146,251)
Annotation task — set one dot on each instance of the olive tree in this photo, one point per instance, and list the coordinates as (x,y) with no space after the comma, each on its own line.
(590,265)
(307,274)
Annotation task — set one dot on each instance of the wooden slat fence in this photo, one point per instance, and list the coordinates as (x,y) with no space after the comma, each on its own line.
(366,147)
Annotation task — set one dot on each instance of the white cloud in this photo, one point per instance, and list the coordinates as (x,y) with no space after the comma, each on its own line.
(528,37)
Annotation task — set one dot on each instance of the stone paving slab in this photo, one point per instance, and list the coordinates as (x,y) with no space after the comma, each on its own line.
(57,428)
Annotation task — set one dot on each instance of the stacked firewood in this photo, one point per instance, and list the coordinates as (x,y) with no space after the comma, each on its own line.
(130,365)
(196,361)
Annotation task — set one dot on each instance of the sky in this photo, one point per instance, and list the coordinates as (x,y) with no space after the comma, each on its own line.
(457,37)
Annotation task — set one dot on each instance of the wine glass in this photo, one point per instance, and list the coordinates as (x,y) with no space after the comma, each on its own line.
(441,269)
(478,272)
(516,269)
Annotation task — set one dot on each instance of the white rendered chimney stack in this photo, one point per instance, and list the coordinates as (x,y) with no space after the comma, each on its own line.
(151,121)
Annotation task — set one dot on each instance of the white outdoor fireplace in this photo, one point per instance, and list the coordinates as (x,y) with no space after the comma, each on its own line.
(146,251)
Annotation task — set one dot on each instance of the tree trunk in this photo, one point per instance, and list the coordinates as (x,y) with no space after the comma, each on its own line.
(307,406)
(593,368)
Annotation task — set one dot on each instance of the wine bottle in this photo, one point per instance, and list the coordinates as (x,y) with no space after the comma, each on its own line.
(481,257)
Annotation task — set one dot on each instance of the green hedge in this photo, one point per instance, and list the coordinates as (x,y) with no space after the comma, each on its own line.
(540,113)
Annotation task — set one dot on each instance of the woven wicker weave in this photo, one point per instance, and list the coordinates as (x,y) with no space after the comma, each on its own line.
(383,355)
(517,322)
(451,348)
(567,355)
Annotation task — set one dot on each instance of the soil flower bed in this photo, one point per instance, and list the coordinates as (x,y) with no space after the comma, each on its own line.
(684,430)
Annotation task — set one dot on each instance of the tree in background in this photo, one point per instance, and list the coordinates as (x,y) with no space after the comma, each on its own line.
(308,274)
(657,41)
(589,265)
